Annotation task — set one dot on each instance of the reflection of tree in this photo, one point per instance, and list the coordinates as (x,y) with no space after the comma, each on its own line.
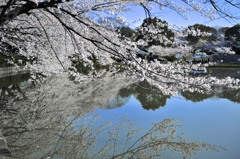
(47,109)
(233,95)
(196,96)
(80,138)
(12,80)
(150,145)
(10,88)
(220,92)
(10,85)
(5,90)
(162,136)
(46,124)
(152,98)
(149,96)
(117,102)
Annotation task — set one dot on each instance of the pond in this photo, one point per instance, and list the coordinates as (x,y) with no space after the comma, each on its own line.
(114,117)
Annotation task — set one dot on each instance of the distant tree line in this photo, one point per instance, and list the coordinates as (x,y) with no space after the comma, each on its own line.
(151,31)
(230,35)
(193,39)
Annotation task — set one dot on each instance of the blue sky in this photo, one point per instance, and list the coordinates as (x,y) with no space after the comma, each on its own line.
(137,15)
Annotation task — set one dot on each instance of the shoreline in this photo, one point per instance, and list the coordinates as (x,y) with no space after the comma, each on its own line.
(225,65)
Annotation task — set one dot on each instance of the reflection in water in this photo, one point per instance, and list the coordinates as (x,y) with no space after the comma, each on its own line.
(79,138)
(117,102)
(13,80)
(10,84)
(149,96)
(196,96)
(219,92)
(121,141)
(10,87)
(50,123)
(233,95)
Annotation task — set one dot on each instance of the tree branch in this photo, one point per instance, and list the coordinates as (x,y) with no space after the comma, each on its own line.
(25,8)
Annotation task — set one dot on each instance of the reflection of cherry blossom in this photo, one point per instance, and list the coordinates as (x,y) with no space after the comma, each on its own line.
(46,122)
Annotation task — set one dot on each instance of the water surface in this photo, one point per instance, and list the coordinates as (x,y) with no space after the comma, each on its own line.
(61,119)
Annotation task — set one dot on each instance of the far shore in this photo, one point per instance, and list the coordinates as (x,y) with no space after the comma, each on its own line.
(226,65)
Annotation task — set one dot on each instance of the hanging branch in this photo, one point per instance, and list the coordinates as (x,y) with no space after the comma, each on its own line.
(49,41)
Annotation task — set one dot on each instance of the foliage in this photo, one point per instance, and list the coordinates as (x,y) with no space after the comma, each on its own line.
(155,32)
(19,60)
(126,31)
(170,58)
(199,32)
(233,34)
(85,68)
(9,56)
(222,30)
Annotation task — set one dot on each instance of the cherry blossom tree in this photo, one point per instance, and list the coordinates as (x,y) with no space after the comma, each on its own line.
(52,32)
